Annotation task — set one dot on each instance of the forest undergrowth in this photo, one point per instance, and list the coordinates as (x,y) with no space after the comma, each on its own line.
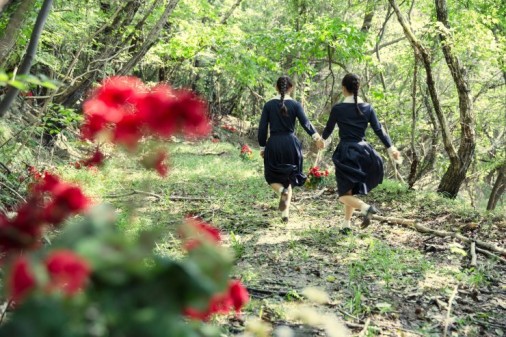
(386,280)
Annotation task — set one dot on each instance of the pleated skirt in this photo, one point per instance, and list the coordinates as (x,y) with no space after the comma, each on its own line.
(283,160)
(359,167)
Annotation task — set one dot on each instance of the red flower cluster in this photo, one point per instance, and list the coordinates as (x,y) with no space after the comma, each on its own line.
(51,201)
(315,172)
(229,128)
(67,272)
(246,152)
(34,173)
(96,159)
(156,160)
(198,231)
(235,297)
(126,108)
(246,149)
(194,234)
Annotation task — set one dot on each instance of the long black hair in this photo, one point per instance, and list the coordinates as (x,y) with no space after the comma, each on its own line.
(352,83)
(284,83)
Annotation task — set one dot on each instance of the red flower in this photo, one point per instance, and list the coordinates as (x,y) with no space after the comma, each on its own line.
(118,91)
(110,114)
(92,126)
(49,184)
(156,160)
(191,113)
(68,272)
(246,149)
(238,295)
(128,131)
(154,110)
(20,280)
(95,160)
(68,200)
(160,165)
(326,173)
(197,230)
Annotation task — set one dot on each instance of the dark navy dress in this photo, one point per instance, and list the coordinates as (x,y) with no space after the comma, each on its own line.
(358,166)
(283,151)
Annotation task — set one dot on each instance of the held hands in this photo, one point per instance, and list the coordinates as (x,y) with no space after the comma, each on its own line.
(320,142)
(394,155)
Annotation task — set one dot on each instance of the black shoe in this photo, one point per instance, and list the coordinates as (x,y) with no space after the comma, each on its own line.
(284,219)
(345,230)
(283,200)
(366,218)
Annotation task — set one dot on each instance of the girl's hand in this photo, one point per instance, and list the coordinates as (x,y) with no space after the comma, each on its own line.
(395,155)
(320,144)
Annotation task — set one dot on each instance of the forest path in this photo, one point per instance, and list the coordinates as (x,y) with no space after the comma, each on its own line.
(385,280)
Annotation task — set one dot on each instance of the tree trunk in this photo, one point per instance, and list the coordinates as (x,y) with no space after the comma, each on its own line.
(368,16)
(4,4)
(24,69)
(498,189)
(456,173)
(111,43)
(414,117)
(150,39)
(10,33)
(230,11)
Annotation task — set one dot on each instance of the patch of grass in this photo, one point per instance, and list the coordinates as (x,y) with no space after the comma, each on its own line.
(237,245)
(388,264)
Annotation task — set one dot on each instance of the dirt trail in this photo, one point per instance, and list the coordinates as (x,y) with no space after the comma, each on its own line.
(397,280)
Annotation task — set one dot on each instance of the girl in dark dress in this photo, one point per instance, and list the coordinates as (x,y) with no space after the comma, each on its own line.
(282,152)
(359,168)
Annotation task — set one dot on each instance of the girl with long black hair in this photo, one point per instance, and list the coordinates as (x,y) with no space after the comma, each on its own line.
(282,152)
(359,168)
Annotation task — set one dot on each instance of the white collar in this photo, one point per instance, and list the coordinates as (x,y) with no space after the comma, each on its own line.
(287,97)
(349,99)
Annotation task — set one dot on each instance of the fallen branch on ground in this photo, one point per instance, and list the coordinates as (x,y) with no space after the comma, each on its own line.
(157,196)
(313,196)
(213,153)
(448,313)
(473,254)
(491,255)
(409,223)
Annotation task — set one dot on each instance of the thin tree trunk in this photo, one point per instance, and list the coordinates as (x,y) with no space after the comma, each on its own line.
(150,39)
(3,5)
(230,12)
(498,189)
(10,33)
(24,69)
(414,154)
(430,158)
(368,16)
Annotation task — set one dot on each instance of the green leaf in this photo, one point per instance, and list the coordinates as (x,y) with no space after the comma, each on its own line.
(18,85)
(4,77)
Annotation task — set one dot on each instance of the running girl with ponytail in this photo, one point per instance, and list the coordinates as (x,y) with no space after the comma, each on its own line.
(282,152)
(359,168)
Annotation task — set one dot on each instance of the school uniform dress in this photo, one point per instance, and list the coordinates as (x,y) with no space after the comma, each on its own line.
(358,166)
(283,151)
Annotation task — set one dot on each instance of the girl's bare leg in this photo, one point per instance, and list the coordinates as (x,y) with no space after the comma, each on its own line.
(285,213)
